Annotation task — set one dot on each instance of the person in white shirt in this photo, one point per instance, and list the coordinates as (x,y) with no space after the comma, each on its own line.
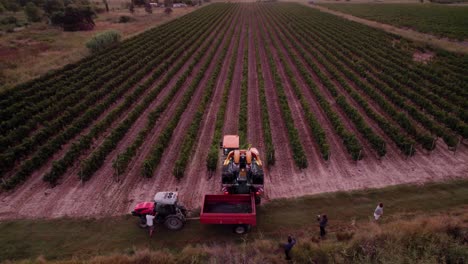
(378,211)
(150,223)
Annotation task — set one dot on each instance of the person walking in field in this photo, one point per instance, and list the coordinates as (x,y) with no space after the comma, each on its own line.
(378,211)
(150,223)
(323,221)
(288,246)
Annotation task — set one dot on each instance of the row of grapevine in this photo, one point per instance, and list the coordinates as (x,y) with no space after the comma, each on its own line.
(298,152)
(96,159)
(269,149)
(190,137)
(213,154)
(376,141)
(243,114)
(154,157)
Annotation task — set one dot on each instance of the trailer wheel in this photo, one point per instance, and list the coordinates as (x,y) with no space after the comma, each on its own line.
(241,229)
(174,223)
(258,200)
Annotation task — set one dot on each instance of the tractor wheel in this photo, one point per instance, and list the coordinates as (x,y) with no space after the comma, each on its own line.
(174,222)
(142,222)
(241,229)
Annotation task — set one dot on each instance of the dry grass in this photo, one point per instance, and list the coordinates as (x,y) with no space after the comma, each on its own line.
(31,52)
(425,239)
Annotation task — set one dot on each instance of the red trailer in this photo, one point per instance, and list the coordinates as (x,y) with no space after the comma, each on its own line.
(235,209)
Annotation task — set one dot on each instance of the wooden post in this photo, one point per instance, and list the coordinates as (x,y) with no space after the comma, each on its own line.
(81,174)
(456,146)
(359,156)
(433,143)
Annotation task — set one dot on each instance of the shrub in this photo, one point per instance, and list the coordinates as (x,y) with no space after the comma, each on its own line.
(103,41)
(32,12)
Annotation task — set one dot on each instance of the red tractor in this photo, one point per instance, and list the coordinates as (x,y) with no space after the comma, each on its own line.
(168,211)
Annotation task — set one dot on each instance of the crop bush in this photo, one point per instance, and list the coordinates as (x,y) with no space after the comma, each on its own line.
(103,41)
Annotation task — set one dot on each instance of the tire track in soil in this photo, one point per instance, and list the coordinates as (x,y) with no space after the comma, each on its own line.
(284,168)
(71,191)
(163,179)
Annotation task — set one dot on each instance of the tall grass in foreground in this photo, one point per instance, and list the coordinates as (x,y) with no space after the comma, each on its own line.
(436,239)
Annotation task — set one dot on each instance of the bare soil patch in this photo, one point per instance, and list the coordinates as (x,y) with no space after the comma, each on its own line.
(423,57)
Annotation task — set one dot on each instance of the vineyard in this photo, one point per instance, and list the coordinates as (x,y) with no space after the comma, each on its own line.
(330,104)
(440,20)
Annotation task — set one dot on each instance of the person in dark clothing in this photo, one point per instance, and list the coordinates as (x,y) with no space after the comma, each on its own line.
(323,220)
(289,246)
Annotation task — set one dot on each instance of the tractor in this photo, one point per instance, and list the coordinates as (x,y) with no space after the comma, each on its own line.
(168,211)
(242,171)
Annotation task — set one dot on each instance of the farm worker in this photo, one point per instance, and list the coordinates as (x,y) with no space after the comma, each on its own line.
(288,246)
(323,221)
(378,211)
(150,223)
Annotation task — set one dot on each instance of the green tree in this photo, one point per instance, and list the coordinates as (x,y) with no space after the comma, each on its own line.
(78,17)
(32,12)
